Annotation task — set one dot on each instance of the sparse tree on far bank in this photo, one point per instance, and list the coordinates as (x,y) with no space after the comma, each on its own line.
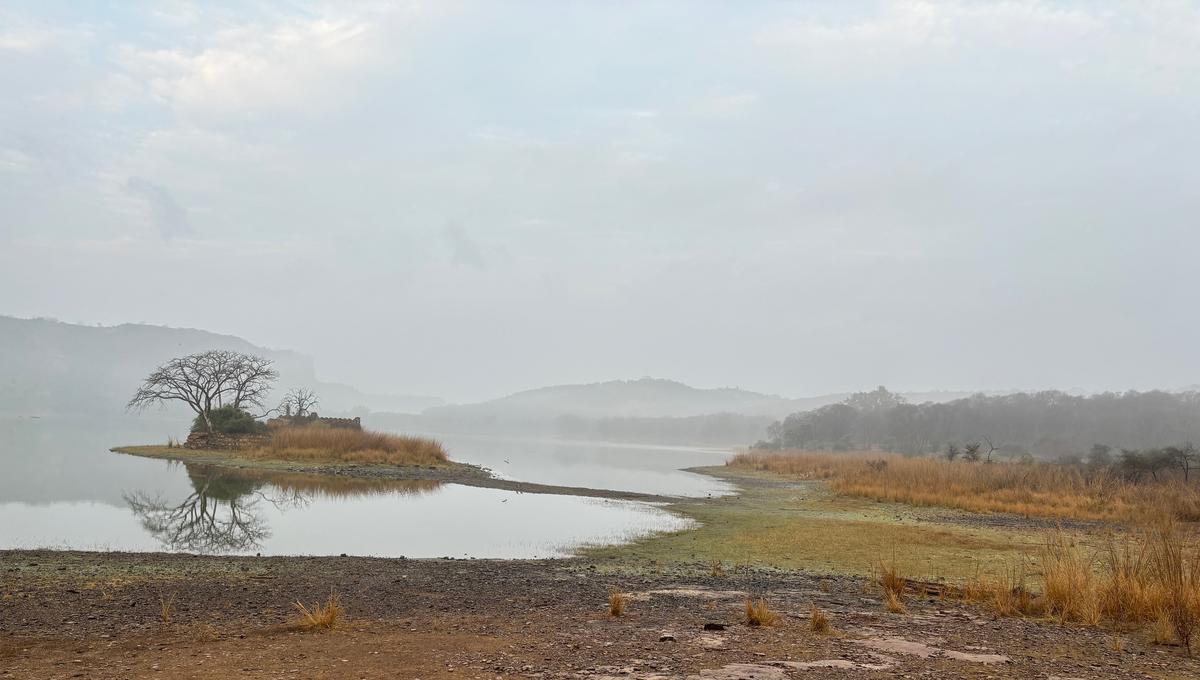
(971,451)
(299,402)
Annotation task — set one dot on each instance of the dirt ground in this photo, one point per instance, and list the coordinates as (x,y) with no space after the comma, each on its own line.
(98,615)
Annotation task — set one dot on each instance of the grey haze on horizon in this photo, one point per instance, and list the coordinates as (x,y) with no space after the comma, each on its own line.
(467,199)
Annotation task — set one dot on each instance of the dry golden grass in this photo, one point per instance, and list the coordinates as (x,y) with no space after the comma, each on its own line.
(166,607)
(716,569)
(1150,579)
(759,614)
(1006,595)
(1069,582)
(616,602)
(893,584)
(318,444)
(1031,489)
(818,621)
(320,615)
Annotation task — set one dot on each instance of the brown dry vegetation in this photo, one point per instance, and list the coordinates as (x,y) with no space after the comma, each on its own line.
(818,621)
(616,602)
(1028,488)
(317,444)
(759,614)
(1150,579)
(319,615)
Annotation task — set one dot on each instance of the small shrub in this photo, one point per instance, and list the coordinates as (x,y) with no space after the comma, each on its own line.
(818,621)
(320,615)
(229,420)
(616,602)
(759,614)
(716,569)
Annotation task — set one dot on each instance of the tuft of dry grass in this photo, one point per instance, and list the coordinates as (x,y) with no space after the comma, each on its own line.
(716,569)
(616,602)
(818,621)
(1069,581)
(321,444)
(166,607)
(1116,643)
(1005,595)
(320,615)
(1175,567)
(893,584)
(1024,488)
(759,614)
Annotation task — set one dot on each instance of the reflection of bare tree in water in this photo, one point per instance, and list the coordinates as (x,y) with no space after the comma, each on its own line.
(222,514)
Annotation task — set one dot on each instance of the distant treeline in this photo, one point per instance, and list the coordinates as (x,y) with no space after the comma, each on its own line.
(1047,425)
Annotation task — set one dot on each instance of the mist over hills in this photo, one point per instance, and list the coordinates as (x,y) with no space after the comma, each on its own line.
(51,367)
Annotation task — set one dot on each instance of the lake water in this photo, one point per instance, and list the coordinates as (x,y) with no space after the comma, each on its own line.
(60,487)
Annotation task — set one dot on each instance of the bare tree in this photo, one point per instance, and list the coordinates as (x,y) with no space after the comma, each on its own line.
(991,449)
(1185,457)
(208,380)
(299,402)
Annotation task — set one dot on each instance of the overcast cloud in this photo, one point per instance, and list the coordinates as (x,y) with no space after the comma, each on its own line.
(464,199)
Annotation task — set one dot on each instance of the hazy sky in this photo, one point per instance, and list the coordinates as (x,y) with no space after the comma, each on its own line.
(465,199)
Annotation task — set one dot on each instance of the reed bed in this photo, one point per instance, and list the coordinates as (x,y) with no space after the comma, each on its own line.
(319,444)
(1026,488)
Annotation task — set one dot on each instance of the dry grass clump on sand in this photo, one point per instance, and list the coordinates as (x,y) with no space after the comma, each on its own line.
(320,615)
(318,444)
(616,602)
(759,614)
(1025,488)
(893,584)
(818,621)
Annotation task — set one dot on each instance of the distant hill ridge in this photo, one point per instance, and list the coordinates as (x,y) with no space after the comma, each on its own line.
(644,398)
(53,367)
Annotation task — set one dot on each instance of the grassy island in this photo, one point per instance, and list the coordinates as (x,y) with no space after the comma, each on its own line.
(338,445)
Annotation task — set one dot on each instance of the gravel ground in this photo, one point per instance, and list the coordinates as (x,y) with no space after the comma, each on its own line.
(98,615)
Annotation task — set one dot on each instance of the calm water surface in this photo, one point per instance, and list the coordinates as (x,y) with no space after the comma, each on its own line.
(60,487)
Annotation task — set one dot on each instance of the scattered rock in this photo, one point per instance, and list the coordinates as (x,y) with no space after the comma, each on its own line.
(741,671)
(714,626)
(924,651)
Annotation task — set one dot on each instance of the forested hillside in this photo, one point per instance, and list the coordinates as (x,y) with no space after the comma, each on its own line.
(1046,424)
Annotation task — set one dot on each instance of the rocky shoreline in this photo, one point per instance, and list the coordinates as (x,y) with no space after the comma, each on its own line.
(100,615)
